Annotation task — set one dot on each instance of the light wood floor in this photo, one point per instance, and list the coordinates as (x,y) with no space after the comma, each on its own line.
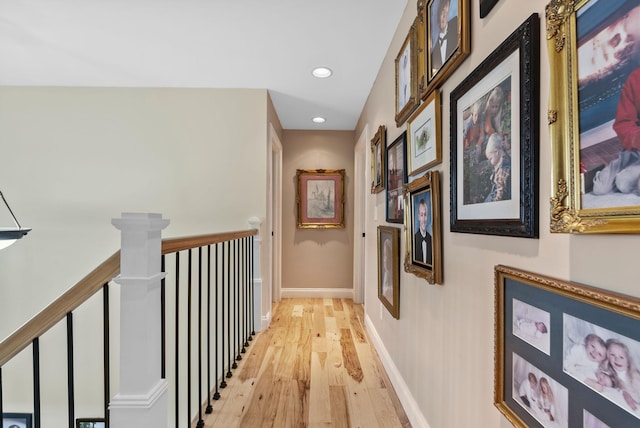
(314,366)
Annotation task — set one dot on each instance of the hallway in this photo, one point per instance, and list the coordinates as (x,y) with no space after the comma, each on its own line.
(314,366)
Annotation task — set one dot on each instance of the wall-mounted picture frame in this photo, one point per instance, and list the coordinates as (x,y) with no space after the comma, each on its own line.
(495,138)
(592,116)
(588,376)
(486,6)
(396,178)
(320,198)
(90,423)
(378,146)
(17,420)
(423,230)
(389,269)
(444,32)
(424,135)
(406,65)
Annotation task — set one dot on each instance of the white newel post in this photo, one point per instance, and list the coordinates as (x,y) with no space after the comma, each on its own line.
(255,223)
(142,400)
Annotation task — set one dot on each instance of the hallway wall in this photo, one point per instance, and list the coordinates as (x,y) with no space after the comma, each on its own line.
(442,346)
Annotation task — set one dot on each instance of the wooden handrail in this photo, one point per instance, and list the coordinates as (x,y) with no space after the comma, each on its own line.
(91,284)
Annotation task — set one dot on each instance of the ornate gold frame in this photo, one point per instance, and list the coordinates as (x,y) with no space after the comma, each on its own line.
(429,182)
(567,214)
(304,221)
(378,142)
(411,41)
(394,232)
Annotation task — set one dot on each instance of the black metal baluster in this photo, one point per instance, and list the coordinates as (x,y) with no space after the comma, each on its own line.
(223,384)
(189,340)
(245,311)
(70,382)
(105,351)
(200,421)
(163,322)
(253,321)
(209,407)
(177,367)
(1,406)
(236,300)
(228,286)
(36,382)
(216,395)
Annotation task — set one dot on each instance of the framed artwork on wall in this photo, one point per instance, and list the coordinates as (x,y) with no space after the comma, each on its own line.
(406,64)
(396,178)
(423,234)
(320,198)
(90,423)
(486,6)
(19,420)
(560,348)
(494,140)
(389,269)
(424,135)
(592,115)
(378,146)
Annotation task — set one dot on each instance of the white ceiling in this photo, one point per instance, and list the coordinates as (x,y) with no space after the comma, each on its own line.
(272,44)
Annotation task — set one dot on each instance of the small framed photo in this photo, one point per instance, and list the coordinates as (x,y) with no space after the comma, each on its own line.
(90,423)
(396,178)
(320,198)
(378,146)
(494,141)
(423,235)
(389,269)
(17,420)
(486,6)
(406,77)
(565,353)
(424,130)
(593,116)
(444,40)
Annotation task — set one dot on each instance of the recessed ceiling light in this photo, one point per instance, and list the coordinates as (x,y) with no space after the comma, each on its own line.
(322,72)
(319,119)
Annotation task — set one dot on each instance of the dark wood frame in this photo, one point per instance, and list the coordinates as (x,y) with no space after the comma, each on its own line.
(600,308)
(486,6)
(524,41)
(393,234)
(28,418)
(399,176)
(88,420)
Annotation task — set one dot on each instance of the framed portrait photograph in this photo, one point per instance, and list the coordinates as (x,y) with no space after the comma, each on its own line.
(396,178)
(90,423)
(17,420)
(320,198)
(444,39)
(389,269)
(424,130)
(378,146)
(406,64)
(565,353)
(423,234)
(486,6)
(495,138)
(594,52)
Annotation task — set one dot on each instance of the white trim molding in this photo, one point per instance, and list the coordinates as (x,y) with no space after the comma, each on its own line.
(306,293)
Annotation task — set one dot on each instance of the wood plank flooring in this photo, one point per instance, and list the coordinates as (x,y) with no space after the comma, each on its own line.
(313,367)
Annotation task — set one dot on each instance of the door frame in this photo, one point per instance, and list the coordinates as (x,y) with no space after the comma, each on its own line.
(361,174)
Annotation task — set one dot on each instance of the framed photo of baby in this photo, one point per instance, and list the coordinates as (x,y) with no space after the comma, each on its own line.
(494,134)
(568,354)
(389,269)
(595,59)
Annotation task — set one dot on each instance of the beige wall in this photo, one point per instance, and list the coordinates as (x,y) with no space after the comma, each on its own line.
(312,258)
(444,353)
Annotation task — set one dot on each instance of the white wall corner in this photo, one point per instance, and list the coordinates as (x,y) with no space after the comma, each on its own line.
(409,403)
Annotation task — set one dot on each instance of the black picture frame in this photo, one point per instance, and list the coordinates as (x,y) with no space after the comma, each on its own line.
(577,316)
(498,198)
(486,6)
(396,178)
(22,420)
(90,423)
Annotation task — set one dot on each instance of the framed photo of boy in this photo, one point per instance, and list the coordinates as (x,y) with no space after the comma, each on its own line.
(320,198)
(389,269)
(593,53)
(424,130)
(495,136)
(378,145)
(396,178)
(17,420)
(406,64)
(587,375)
(423,235)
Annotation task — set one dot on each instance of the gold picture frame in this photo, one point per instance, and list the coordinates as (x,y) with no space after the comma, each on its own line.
(587,151)
(423,228)
(406,66)
(389,269)
(378,149)
(543,327)
(320,198)
(432,70)
(424,135)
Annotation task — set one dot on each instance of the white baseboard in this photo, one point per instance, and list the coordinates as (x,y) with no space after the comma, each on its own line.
(266,321)
(410,405)
(337,293)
